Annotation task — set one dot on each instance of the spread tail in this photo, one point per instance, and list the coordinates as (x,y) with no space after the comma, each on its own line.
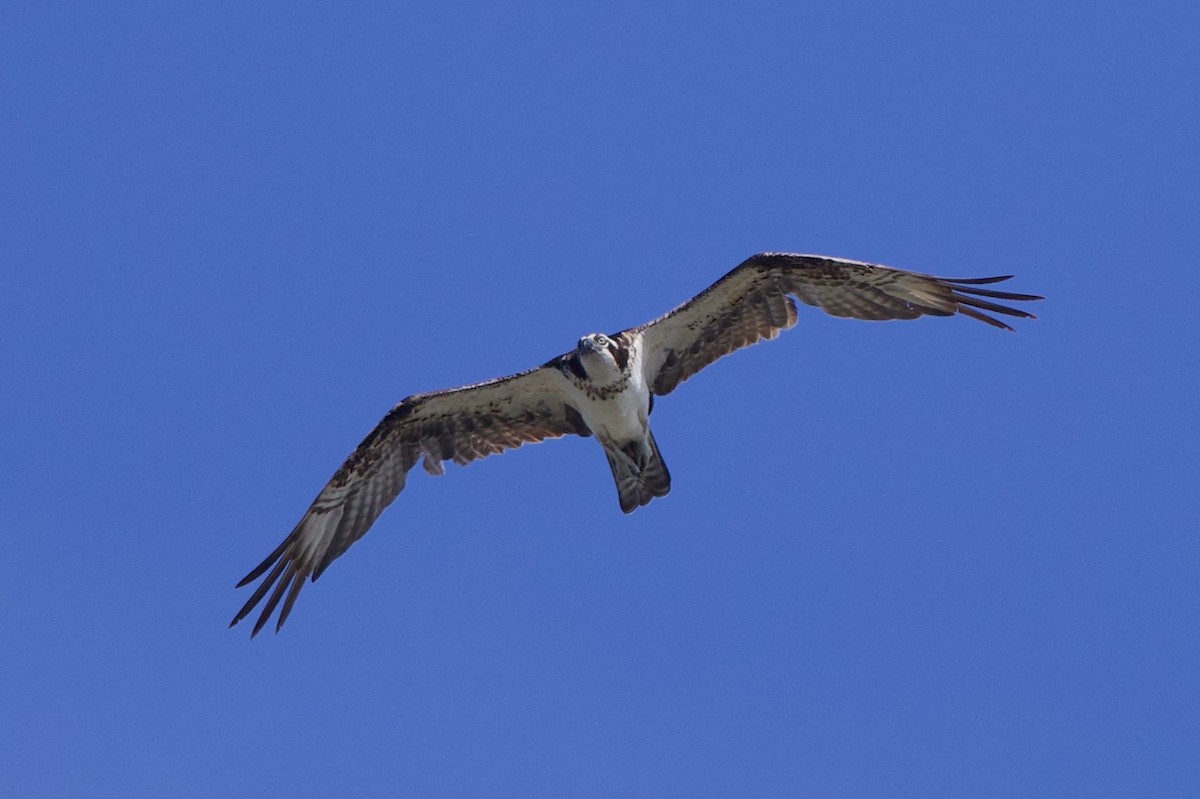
(639,472)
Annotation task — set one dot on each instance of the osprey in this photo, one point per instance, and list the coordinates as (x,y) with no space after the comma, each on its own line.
(604,387)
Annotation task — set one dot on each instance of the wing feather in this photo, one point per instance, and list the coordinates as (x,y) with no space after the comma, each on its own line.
(754,302)
(459,425)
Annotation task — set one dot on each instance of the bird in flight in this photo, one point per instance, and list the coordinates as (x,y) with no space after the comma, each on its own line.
(604,387)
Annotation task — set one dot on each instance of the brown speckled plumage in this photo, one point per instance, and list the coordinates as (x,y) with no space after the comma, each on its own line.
(751,303)
(460,425)
(754,302)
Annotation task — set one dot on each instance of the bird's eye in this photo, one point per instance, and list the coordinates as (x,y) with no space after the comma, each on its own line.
(602,340)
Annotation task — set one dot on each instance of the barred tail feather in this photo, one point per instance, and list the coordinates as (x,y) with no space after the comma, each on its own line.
(639,472)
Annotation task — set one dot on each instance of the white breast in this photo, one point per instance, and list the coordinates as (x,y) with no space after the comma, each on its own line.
(621,415)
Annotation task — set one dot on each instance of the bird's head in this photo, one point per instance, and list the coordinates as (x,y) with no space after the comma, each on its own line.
(595,343)
(598,353)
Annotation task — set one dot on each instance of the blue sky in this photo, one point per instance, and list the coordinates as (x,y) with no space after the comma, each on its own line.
(914,559)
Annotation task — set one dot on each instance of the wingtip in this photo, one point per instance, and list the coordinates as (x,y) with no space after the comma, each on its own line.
(258,625)
(237,619)
(979,281)
(1023,315)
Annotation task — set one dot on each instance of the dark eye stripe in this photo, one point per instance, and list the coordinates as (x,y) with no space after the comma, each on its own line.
(620,354)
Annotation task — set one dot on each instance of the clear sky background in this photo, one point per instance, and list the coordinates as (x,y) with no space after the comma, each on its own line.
(912,559)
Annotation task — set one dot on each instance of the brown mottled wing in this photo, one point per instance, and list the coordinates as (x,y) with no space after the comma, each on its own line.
(754,302)
(459,425)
